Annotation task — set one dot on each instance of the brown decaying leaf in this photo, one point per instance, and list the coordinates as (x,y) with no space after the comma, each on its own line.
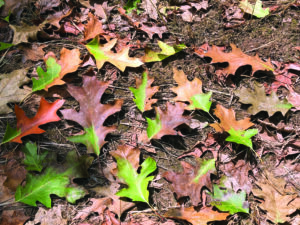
(150,8)
(10,88)
(279,201)
(92,112)
(45,114)
(55,18)
(129,153)
(92,28)
(186,89)
(294,98)
(69,62)
(228,121)
(53,216)
(260,101)
(25,33)
(45,5)
(167,119)
(183,183)
(15,7)
(237,177)
(233,15)
(13,217)
(201,217)
(236,58)
(32,52)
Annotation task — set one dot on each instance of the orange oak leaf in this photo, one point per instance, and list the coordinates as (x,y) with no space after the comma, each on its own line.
(69,62)
(201,217)
(93,27)
(186,89)
(236,58)
(45,114)
(193,178)
(92,113)
(228,121)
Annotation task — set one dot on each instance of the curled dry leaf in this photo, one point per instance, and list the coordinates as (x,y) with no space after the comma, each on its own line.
(193,178)
(236,58)
(25,33)
(261,102)
(92,113)
(279,201)
(25,126)
(10,88)
(228,121)
(201,217)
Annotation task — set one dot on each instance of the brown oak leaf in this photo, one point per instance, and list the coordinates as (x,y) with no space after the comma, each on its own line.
(279,201)
(201,217)
(261,102)
(69,62)
(192,179)
(93,27)
(228,121)
(92,113)
(236,58)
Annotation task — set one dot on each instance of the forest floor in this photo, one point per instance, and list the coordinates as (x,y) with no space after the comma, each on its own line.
(272,165)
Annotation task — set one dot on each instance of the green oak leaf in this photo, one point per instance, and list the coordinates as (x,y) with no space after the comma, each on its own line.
(131,5)
(137,183)
(10,133)
(201,101)
(255,10)
(206,166)
(140,93)
(241,136)
(45,78)
(40,187)
(89,139)
(167,50)
(33,161)
(2,3)
(154,126)
(4,45)
(228,200)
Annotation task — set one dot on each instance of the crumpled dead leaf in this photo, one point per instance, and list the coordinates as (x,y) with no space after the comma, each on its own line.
(10,88)
(51,216)
(25,33)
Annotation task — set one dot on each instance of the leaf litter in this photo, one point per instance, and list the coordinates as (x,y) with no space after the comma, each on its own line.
(125,112)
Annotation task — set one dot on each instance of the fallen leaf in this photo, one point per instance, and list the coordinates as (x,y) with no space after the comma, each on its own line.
(137,182)
(150,8)
(191,91)
(144,92)
(279,202)
(103,53)
(10,88)
(233,16)
(193,178)
(92,113)
(236,58)
(261,102)
(33,52)
(236,176)
(56,69)
(53,216)
(25,126)
(92,28)
(228,120)
(255,10)
(13,217)
(241,136)
(294,98)
(47,5)
(55,18)
(25,33)
(201,217)
(164,123)
(33,161)
(228,200)
(166,51)
(14,7)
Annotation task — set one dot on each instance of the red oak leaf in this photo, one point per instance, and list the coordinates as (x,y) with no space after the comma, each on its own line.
(92,113)
(45,114)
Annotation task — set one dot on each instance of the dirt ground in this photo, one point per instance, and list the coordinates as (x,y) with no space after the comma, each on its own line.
(272,37)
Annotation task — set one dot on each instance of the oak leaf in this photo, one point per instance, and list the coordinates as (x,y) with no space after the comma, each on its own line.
(228,120)
(13,217)
(241,136)
(92,113)
(10,88)
(166,121)
(92,28)
(190,91)
(279,201)
(261,102)
(294,98)
(103,53)
(144,92)
(193,178)
(25,126)
(236,58)
(255,10)
(25,33)
(56,69)
(194,217)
